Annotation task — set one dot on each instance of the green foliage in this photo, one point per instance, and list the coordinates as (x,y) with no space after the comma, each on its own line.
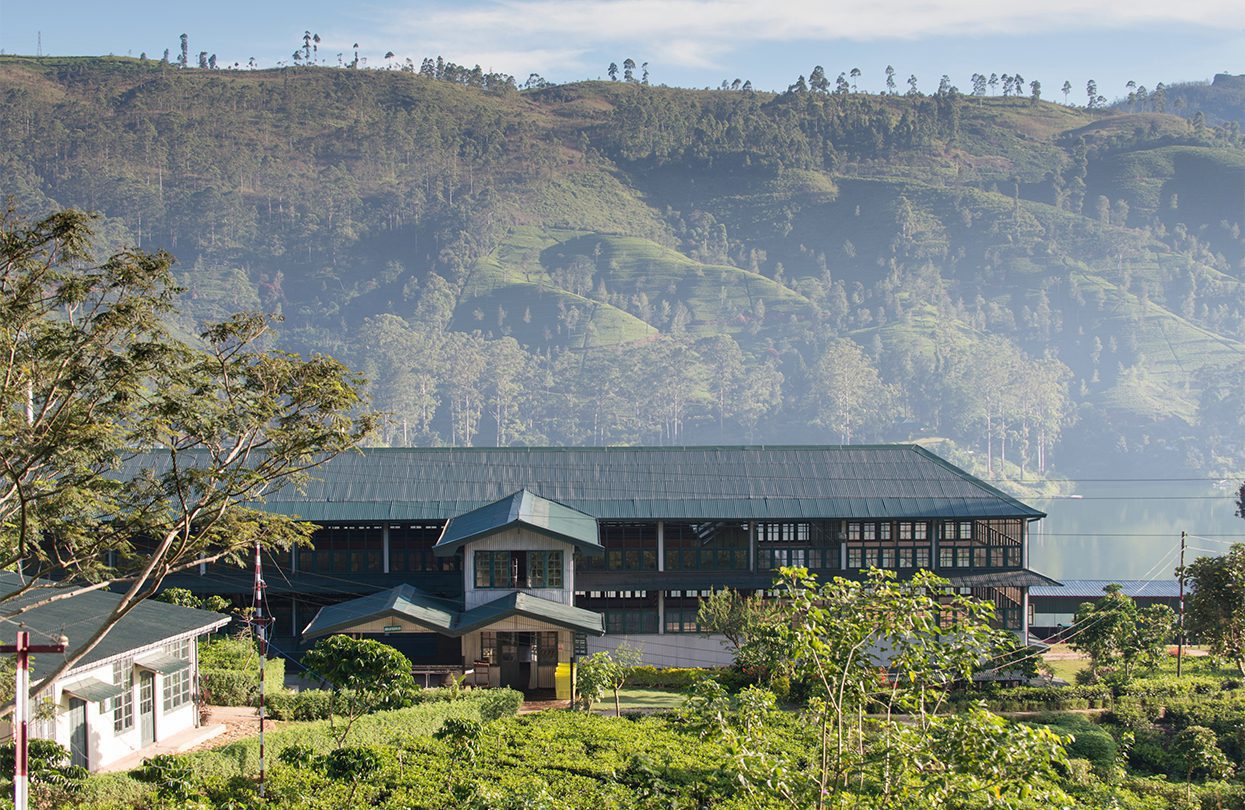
(114,376)
(305,704)
(498,703)
(53,782)
(1196,752)
(1087,740)
(185,598)
(1215,610)
(229,671)
(173,776)
(355,762)
(605,671)
(366,675)
(649,677)
(1120,637)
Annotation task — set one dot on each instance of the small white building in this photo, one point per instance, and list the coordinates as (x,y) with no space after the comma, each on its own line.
(135,689)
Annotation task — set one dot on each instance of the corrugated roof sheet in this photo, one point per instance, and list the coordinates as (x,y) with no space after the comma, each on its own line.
(523,508)
(149,623)
(1093,588)
(694,483)
(518,603)
(404,602)
(444,617)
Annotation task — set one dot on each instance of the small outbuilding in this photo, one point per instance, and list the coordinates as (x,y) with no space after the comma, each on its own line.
(137,690)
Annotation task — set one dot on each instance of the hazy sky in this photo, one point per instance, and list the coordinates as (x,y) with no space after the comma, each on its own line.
(686,42)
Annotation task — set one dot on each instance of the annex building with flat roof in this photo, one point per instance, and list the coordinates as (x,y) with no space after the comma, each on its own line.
(509,561)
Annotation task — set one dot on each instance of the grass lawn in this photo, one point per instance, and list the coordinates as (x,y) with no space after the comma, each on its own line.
(641,700)
(1065,661)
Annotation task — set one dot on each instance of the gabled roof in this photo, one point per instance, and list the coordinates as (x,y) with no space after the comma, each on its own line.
(526,509)
(78,617)
(402,602)
(518,603)
(447,618)
(641,483)
(1093,588)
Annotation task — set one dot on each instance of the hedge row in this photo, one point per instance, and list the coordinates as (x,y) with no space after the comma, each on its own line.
(237,687)
(316,704)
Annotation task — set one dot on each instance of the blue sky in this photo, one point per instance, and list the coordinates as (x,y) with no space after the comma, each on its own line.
(686,42)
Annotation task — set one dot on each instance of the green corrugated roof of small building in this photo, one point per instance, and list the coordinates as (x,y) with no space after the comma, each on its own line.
(78,617)
(525,509)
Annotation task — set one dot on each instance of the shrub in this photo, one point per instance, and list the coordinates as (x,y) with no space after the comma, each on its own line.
(308,704)
(1090,742)
(352,762)
(497,703)
(229,673)
(647,677)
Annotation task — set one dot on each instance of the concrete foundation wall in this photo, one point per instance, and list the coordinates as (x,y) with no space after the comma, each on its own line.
(669,650)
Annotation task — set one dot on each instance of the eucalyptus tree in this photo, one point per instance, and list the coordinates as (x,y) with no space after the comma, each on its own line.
(92,378)
(848,393)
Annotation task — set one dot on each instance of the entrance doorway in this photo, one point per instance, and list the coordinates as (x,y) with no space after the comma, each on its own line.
(525,661)
(147,707)
(78,754)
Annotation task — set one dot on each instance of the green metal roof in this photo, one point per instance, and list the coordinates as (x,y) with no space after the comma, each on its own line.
(401,602)
(163,663)
(148,624)
(645,483)
(523,508)
(518,603)
(92,689)
(445,617)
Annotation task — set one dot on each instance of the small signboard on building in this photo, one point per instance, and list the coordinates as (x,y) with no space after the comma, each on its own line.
(581,644)
(393,628)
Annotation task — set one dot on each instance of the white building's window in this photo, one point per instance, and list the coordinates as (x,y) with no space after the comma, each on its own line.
(123,704)
(177,685)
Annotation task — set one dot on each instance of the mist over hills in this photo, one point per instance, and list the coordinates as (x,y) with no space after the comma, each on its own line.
(1035,287)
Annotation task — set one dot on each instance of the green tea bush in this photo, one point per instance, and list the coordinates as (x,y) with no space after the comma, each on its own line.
(647,677)
(229,673)
(498,703)
(1090,742)
(307,704)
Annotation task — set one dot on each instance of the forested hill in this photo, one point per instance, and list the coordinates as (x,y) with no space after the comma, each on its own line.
(1039,286)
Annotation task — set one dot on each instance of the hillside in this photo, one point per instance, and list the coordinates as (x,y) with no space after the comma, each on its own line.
(1049,287)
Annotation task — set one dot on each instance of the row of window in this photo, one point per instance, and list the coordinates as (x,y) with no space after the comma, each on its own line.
(518,569)
(177,687)
(713,545)
(681,617)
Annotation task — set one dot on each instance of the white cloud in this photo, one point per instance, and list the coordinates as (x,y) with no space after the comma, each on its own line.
(700,32)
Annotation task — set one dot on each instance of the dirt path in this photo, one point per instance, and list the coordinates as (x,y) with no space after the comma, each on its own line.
(240,722)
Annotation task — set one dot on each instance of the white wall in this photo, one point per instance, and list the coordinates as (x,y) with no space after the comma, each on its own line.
(104,745)
(669,650)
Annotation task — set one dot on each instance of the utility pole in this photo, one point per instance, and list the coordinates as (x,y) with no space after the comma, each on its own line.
(21,720)
(260,623)
(1180,636)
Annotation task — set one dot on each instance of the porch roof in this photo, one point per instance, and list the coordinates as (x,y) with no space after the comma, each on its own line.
(518,603)
(522,508)
(401,602)
(445,617)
